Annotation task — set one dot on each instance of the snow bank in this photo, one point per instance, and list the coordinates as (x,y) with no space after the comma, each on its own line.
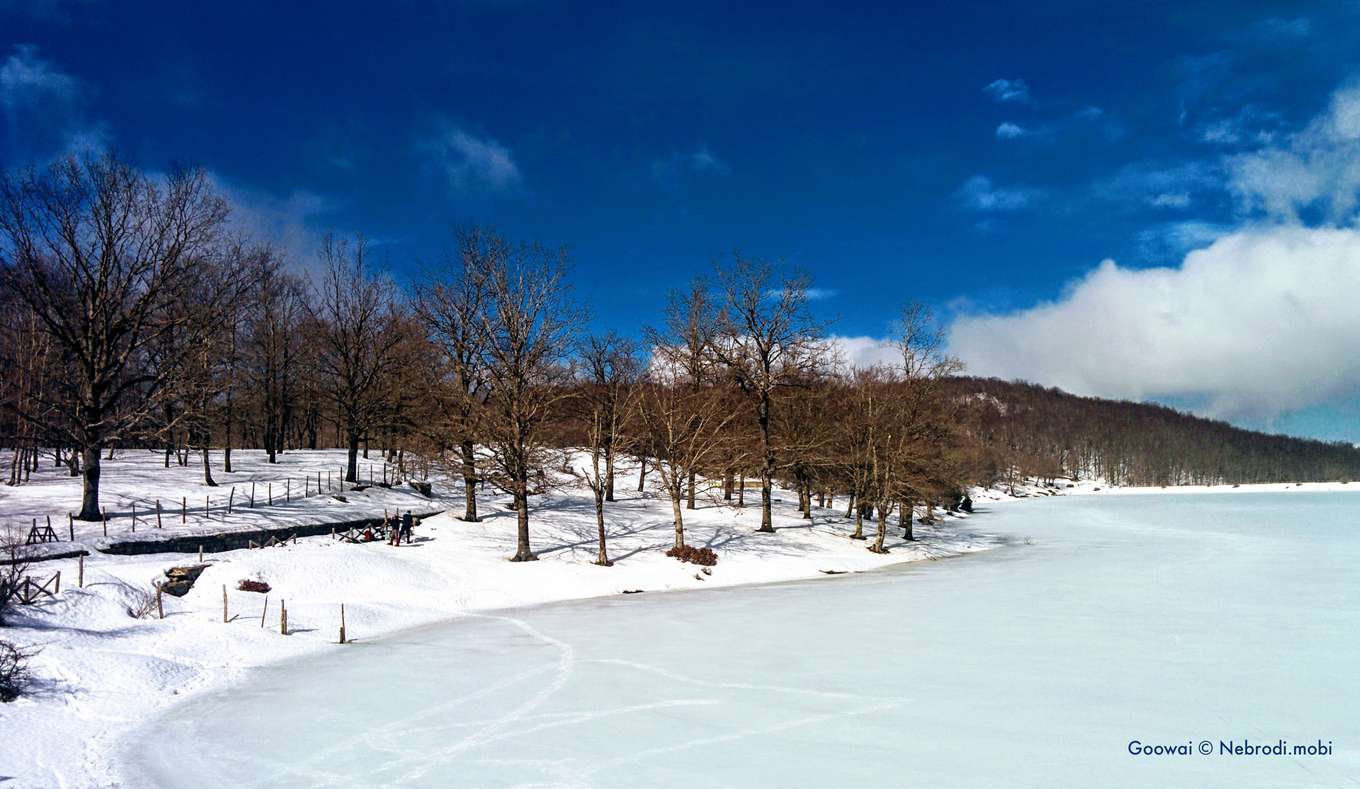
(103,672)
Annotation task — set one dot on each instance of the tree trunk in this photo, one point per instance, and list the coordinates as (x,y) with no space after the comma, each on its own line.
(877,547)
(689,495)
(905,519)
(207,465)
(642,474)
(469,482)
(859,524)
(89,498)
(727,485)
(603,558)
(676,514)
(352,466)
(850,505)
(608,475)
(741,491)
(522,552)
(766,467)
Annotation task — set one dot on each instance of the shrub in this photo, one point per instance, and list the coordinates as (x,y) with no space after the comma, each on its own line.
(248,585)
(143,603)
(14,673)
(701,556)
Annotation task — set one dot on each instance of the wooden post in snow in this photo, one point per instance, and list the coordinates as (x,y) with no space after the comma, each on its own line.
(342,623)
(158,513)
(224,604)
(283,617)
(200,554)
(71,525)
(160,607)
(183,509)
(231,497)
(271,494)
(328,478)
(80,571)
(287,490)
(265,611)
(252,495)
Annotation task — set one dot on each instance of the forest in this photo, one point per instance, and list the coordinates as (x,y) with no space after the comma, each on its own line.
(133,316)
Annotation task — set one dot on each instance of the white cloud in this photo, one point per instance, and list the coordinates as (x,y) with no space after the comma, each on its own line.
(1279,27)
(668,169)
(980,194)
(1316,169)
(44,109)
(1260,323)
(812,294)
(862,352)
(1003,90)
(1010,131)
(291,222)
(1171,200)
(26,79)
(471,162)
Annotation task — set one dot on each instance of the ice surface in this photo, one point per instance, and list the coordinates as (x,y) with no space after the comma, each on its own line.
(1164,619)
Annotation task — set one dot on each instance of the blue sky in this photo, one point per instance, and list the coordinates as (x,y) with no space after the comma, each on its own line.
(983,159)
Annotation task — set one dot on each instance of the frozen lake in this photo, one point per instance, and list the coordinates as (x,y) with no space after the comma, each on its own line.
(1166,619)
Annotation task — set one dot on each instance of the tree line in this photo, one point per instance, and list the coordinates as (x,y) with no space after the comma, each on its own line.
(1025,430)
(133,317)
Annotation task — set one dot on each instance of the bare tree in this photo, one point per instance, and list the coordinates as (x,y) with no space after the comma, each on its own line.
(685,347)
(103,256)
(451,307)
(768,341)
(526,331)
(610,376)
(358,333)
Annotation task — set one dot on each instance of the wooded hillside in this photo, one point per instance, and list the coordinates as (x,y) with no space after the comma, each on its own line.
(1047,432)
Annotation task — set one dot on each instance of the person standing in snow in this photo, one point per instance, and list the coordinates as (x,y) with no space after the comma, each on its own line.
(406,523)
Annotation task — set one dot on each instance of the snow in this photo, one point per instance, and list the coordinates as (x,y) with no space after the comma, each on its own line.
(1103,621)
(138,479)
(103,672)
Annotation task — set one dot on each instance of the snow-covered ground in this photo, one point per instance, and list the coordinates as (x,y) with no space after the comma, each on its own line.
(135,480)
(102,672)
(1122,641)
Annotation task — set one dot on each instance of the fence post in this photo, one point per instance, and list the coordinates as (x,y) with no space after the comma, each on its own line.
(283,617)
(271,494)
(265,611)
(58,589)
(134,517)
(230,498)
(200,554)
(160,608)
(183,509)
(80,571)
(71,524)
(224,604)
(158,513)
(252,495)
(287,489)
(342,623)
